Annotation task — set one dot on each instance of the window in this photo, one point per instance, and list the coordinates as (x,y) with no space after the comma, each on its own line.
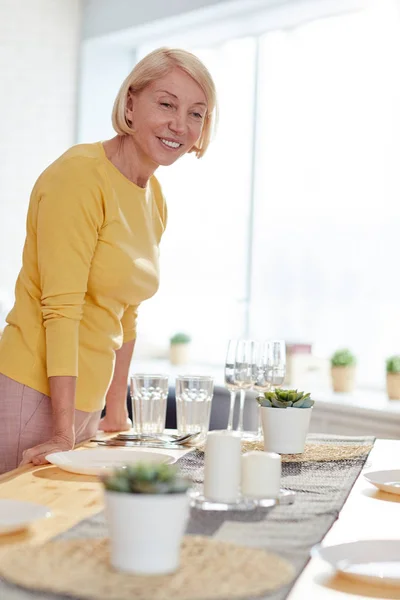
(327,196)
(300,238)
(203,287)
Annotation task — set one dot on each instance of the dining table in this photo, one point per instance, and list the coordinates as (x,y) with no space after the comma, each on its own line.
(367,514)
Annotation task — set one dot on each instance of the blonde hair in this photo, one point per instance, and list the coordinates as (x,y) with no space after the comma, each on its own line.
(155,65)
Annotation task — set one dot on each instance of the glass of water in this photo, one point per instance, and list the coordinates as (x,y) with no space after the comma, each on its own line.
(149,395)
(193,404)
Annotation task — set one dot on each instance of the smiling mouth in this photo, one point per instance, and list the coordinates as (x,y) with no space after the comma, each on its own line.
(169,144)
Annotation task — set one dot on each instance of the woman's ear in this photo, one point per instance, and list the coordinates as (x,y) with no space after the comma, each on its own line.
(129,108)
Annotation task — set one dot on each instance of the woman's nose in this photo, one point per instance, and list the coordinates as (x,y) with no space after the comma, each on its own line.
(178,124)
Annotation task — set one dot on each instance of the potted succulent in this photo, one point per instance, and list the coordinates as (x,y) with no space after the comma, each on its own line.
(285,419)
(393,377)
(147,507)
(343,370)
(179,345)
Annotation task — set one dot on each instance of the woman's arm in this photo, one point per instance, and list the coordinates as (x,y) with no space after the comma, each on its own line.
(66,214)
(62,393)
(116,418)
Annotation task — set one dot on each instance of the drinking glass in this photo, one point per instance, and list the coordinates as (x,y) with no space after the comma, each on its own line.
(245,373)
(229,375)
(193,404)
(149,395)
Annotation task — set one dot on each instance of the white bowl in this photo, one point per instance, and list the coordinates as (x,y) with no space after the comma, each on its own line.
(388,481)
(99,460)
(372,561)
(16,515)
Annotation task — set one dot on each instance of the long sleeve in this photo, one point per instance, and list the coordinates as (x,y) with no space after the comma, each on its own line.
(70,215)
(128,323)
(90,259)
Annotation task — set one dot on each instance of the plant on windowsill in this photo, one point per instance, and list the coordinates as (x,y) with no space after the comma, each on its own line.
(343,370)
(393,377)
(179,346)
(285,418)
(147,508)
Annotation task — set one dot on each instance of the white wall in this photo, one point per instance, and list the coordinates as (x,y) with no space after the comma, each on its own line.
(39,44)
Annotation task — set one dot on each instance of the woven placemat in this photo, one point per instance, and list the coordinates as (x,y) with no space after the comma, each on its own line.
(209,569)
(314,452)
(318,452)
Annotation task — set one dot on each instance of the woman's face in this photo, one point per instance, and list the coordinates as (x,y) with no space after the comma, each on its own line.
(167,117)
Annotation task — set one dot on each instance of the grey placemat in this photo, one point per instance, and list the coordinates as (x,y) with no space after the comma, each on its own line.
(321,490)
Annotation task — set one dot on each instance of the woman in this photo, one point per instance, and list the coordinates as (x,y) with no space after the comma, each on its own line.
(95,220)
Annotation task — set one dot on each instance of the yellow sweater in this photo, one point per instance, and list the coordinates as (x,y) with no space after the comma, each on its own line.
(90,258)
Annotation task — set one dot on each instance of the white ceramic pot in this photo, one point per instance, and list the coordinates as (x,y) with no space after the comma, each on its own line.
(343,379)
(146,531)
(285,429)
(179,354)
(393,386)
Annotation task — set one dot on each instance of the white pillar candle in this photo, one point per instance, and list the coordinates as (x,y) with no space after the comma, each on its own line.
(222,466)
(261,474)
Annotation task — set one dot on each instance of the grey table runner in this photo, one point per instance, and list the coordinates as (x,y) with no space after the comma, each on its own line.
(289,530)
(321,490)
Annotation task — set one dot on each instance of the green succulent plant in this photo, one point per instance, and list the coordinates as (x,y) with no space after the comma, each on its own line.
(343,358)
(285,399)
(180,338)
(143,478)
(393,364)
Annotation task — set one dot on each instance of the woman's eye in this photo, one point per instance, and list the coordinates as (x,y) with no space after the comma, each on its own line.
(166,104)
(197,115)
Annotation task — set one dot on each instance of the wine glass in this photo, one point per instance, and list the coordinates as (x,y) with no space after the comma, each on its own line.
(244,372)
(230,379)
(261,383)
(275,365)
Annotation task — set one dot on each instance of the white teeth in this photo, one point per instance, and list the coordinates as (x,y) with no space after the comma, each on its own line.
(171,144)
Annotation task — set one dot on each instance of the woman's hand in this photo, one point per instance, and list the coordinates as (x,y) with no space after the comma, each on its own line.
(115,423)
(37,454)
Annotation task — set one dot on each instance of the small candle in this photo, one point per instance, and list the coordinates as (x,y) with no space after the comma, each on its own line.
(222,466)
(261,474)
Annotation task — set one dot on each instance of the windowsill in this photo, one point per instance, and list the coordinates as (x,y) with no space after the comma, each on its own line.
(362,400)
(371,400)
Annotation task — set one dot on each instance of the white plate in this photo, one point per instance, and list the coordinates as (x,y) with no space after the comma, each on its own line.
(374,561)
(96,461)
(388,481)
(16,515)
